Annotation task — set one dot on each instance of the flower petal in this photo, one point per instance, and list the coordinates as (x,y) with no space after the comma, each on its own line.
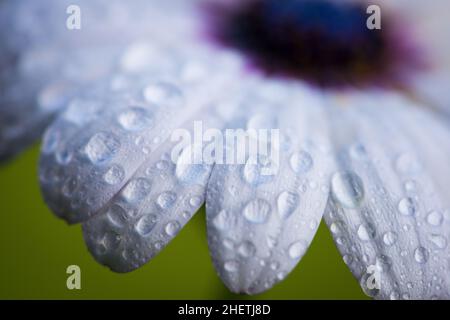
(388,210)
(107,160)
(43,64)
(428,23)
(260,223)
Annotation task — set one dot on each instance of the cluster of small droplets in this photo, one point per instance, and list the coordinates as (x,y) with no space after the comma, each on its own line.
(392,227)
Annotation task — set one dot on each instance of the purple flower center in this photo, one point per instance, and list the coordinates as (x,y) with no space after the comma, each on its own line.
(322,41)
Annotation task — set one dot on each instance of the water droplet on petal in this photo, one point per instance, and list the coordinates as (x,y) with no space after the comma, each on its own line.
(421,255)
(111,241)
(163,94)
(247,249)
(407,207)
(366,232)
(347,189)
(438,240)
(117,215)
(383,263)
(301,162)
(146,224)
(136,190)
(287,202)
(101,147)
(135,119)
(224,220)
(297,249)
(434,218)
(189,168)
(231,266)
(389,238)
(257,211)
(166,200)
(172,228)
(114,175)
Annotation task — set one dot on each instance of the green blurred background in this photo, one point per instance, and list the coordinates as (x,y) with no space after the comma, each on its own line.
(36,249)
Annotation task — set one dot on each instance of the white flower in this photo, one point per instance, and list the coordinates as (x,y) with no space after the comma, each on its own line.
(372,161)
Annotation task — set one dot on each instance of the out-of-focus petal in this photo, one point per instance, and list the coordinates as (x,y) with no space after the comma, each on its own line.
(388,210)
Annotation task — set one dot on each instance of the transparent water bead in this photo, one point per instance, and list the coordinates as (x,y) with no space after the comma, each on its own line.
(224,220)
(257,211)
(136,190)
(145,224)
(297,249)
(366,232)
(421,255)
(166,200)
(135,119)
(348,189)
(117,215)
(257,170)
(231,266)
(407,207)
(434,218)
(163,94)
(301,162)
(389,238)
(114,175)
(247,249)
(287,202)
(102,147)
(439,241)
(172,228)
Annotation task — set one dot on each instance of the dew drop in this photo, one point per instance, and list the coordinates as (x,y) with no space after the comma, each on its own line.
(348,189)
(166,200)
(383,263)
(434,218)
(256,170)
(366,232)
(114,175)
(111,241)
(297,249)
(231,266)
(117,215)
(421,255)
(136,190)
(439,241)
(189,169)
(247,249)
(257,211)
(134,119)
(101,147)
(336,227)
(163,94)
(287,202)
(172,228)
(301,162)
(407,207)
(196,201)
(224,220)
(389,238)
(146,224)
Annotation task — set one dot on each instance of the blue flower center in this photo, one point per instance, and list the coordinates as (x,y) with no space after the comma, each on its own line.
(322,41)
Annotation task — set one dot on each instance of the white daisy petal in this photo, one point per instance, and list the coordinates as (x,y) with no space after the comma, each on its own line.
(427,22)
(43,64)
(259,223)
(107,160)
(388,210)
(148,211)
